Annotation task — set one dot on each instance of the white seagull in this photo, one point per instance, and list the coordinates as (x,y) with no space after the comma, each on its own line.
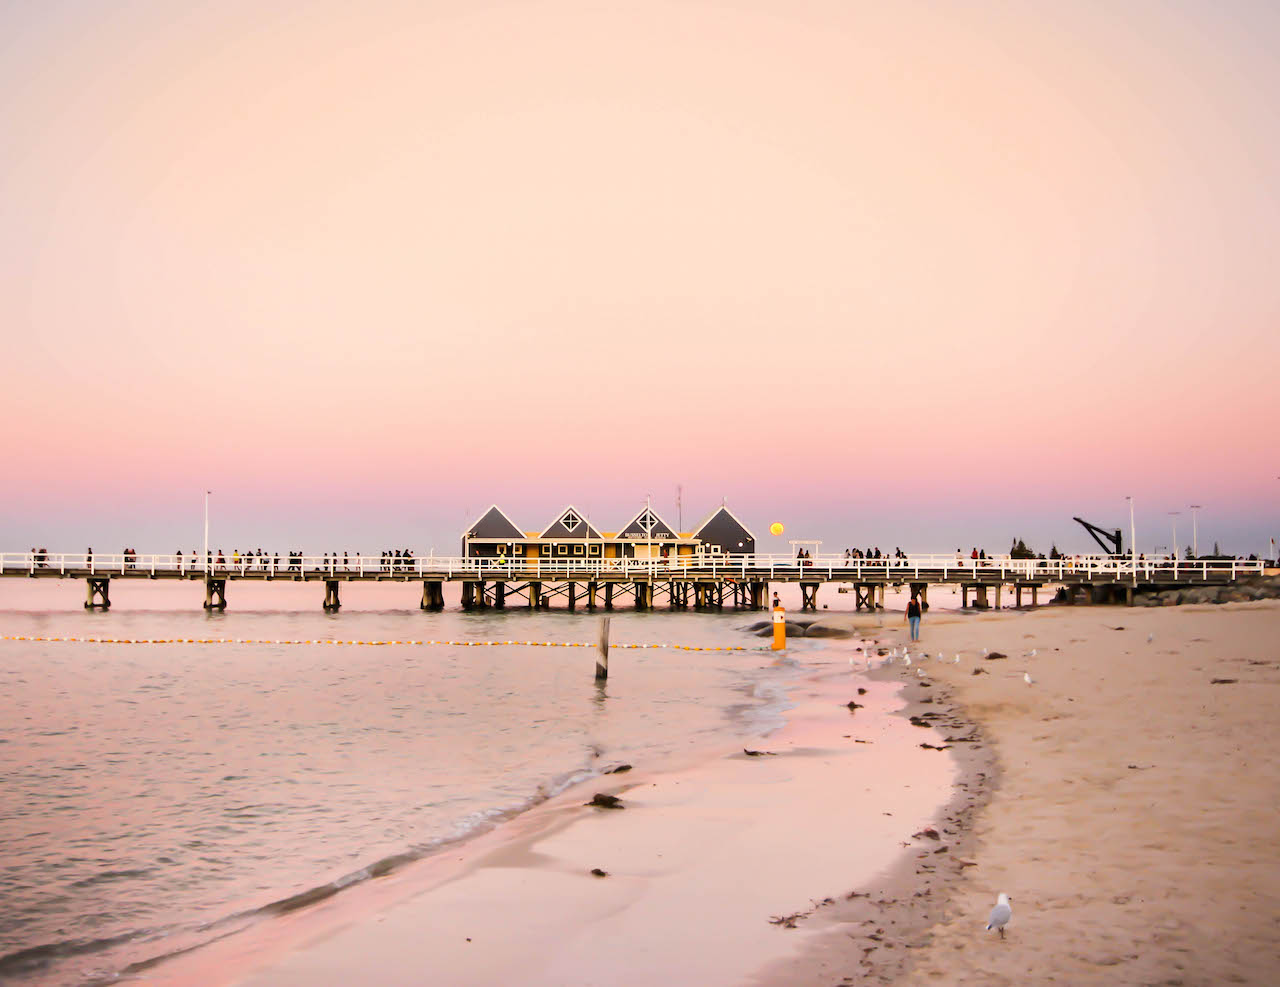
(1000,915)
(1026,677)
(906,660)
(1150,638)
(1033,652)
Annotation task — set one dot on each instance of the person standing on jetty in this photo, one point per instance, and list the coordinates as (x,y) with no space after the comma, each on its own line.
(913,617)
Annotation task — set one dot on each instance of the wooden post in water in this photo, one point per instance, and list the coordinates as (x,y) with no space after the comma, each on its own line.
(602,659)
(101,589)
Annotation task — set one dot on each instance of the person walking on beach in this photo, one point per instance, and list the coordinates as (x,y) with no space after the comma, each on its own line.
(913,617)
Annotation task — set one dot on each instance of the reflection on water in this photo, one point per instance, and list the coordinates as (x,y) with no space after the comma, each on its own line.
(153,796)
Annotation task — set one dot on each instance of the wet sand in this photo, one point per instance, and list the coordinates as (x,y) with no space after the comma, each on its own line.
(708,867)
(1131,817)
(1124,801)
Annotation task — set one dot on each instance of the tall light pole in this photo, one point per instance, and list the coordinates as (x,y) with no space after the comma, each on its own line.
(1133,538)
(204,561)
(1174,515)
(1195,532)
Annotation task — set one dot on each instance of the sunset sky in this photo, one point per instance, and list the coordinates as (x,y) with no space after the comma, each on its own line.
(917,274)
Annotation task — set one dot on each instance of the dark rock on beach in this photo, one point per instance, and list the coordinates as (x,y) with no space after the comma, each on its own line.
(603,801)
(825,630)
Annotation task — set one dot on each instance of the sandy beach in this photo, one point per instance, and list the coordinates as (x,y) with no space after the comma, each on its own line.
(1131,813)
(1123,799)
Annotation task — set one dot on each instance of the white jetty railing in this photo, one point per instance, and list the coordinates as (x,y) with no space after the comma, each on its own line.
(821,568)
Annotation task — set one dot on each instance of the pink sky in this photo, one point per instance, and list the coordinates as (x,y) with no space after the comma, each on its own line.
(918,274)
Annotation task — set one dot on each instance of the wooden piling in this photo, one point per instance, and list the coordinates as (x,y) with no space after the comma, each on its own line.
(602,658)
(331,602)
(99,594)
(215,594)
(432,595)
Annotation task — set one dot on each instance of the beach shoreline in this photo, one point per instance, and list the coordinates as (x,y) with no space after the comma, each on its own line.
(1116,812)
(1030,808)
(694,831)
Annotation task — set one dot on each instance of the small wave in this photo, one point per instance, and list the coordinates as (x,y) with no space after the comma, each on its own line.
(34,959)
(113,875)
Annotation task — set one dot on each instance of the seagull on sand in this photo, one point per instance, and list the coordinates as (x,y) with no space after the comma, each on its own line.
(1000,915)
(1033,652)
(1026,677)
(1150,638)
(957,661)
(906,660)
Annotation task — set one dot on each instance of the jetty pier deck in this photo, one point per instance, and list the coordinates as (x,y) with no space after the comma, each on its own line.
(702,581)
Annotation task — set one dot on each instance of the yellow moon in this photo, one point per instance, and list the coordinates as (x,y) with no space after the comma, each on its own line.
(775,528)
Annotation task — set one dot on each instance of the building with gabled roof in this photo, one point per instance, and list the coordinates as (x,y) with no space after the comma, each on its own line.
(570,524)
(491,530)
(721,532)
(570,535)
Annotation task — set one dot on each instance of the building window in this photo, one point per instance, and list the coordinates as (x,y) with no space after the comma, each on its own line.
(577,549)
(562,549)
(593,549)
(570,520)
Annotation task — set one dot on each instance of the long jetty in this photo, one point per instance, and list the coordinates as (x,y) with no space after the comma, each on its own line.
(704,581)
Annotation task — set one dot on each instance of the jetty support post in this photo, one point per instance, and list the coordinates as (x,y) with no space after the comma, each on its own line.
(500,595)
(592,588)
(331,602)
(602,659)
(432,595)
(535,596)
(573,596)
(215,594)
(608,596)
(809,596)
(964,597)
(99,594)
(1017,596)
(1033,595)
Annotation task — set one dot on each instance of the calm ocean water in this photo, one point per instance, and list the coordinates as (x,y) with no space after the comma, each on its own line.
(153,797)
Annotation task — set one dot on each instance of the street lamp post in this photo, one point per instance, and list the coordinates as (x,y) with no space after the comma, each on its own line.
(1195,532)
(1174,515)
(1133,541)
(205,560)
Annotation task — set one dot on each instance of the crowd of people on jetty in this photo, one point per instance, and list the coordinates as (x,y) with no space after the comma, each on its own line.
(390,560)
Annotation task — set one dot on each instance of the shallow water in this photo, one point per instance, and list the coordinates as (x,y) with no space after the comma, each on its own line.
(155,796)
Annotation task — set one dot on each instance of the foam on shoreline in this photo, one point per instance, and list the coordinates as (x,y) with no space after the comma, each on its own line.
(708,851)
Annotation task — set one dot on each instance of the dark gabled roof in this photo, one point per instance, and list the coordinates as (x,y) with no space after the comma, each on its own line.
(728,514)
(494,524)
(570,523)
(641,527)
